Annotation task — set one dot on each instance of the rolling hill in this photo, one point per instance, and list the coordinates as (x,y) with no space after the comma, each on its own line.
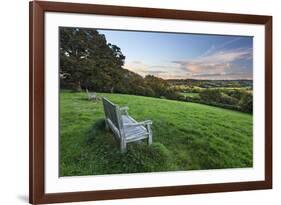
(186,136)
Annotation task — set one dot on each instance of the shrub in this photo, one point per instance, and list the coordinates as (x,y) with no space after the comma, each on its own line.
(210,95)
(149,92)
(172,94)
(235,99)
(140,90)
(195,99)
(226,99)
(246,103)
(235,93)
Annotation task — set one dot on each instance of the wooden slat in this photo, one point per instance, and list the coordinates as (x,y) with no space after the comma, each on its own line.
(111,112)
(136,138)
(113,128)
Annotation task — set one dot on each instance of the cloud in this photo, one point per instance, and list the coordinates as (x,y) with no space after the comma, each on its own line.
(156,72)
(220,47)
(136,66)
(143,69)
(137,62)
(214,64)
(218,64)
(207,75)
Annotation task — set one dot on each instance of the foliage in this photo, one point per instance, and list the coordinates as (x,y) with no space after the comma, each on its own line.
(194,83)
(87,60)
(158,85)
(230,99)
(211,95)
(246,103)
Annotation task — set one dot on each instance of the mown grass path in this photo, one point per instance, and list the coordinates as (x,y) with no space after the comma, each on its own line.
(186,136)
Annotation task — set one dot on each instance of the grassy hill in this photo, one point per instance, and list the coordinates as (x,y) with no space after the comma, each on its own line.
(186,136)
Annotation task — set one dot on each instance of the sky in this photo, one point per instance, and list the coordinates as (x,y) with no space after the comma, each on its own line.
(185,56)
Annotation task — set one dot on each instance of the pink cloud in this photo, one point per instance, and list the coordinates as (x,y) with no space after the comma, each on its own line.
(216,65)
(216,62)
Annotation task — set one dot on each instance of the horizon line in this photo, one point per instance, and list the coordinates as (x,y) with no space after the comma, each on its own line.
(207,79)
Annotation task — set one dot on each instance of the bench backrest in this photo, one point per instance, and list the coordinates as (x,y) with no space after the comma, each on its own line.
(91,94)
(112,112)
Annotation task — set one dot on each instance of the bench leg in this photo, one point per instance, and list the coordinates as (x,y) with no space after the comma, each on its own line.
(149,140)
(106,125)
(123,146)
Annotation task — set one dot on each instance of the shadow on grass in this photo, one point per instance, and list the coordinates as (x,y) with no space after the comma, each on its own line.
(92,101)
(83,99)
(97,129)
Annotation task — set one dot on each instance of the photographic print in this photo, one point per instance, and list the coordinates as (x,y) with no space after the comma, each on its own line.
(130,102)
(143,101)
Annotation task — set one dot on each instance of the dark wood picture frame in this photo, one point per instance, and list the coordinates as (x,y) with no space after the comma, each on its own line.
(36,142)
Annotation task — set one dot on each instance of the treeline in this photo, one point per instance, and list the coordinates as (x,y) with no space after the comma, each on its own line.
(211,83)
(234,99)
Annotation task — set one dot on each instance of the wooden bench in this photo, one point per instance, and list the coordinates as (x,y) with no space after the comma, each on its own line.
(91,95)
(124,127)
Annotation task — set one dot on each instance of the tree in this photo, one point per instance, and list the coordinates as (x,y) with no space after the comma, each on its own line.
(246,103)
(158,85)
(210,95)
(87,60)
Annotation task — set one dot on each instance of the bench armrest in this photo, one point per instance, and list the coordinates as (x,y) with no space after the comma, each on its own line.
(146,122)
(124,110)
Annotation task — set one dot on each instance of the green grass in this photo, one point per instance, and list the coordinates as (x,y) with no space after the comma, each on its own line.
(186,136)
(190,94)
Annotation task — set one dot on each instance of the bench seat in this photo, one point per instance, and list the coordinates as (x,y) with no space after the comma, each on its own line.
(135,131)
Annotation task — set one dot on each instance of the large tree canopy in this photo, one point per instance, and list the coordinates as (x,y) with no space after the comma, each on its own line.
(86,59)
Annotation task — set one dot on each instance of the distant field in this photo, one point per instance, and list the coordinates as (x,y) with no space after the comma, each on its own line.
(186,136)
(247,89)
(190,94)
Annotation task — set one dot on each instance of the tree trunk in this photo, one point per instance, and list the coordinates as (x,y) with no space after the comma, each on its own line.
(77,87)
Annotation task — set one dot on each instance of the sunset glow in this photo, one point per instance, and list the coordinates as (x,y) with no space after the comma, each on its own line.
(181,56)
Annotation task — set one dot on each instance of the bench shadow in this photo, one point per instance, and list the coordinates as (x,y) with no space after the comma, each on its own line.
(83,99)
(93,101)
(95,130)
